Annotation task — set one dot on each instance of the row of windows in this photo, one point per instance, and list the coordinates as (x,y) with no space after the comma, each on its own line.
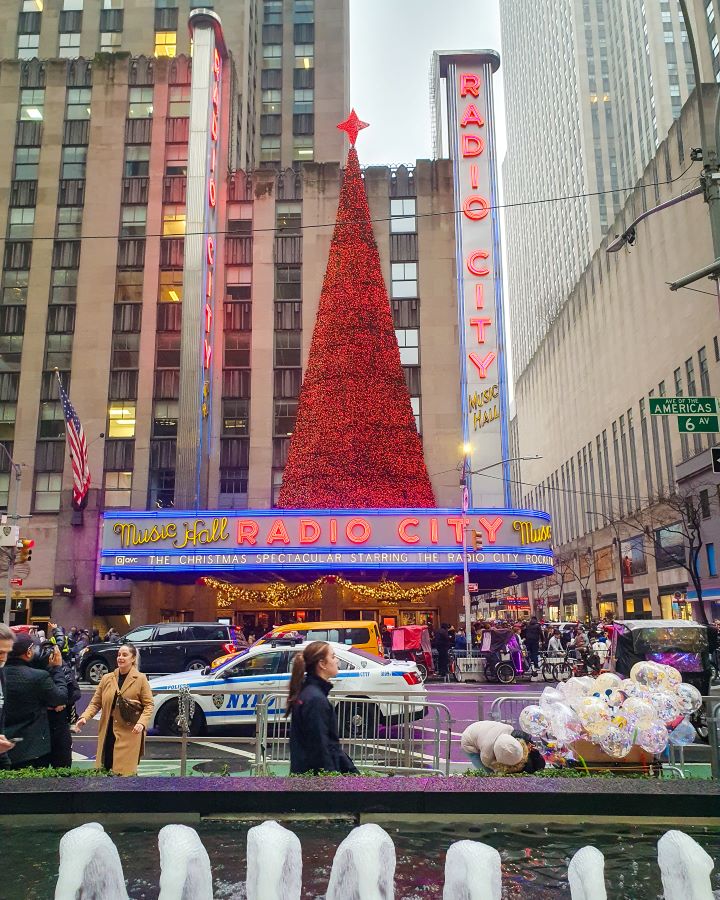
(304,55)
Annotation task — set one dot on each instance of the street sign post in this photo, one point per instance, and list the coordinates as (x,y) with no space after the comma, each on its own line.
(689,424)
(683,406)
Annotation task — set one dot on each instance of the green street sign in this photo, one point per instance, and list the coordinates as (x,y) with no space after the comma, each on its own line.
(691,424)
(683,406)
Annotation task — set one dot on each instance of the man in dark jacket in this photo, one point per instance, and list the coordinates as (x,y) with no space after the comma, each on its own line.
(6,644)
(29,694)
(533,636)
(443,642)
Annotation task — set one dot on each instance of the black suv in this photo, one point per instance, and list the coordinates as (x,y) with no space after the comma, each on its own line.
(163,649)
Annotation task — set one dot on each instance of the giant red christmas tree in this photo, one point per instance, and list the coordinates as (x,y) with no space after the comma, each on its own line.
(355,443)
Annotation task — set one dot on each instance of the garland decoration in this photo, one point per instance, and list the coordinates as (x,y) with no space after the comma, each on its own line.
(280,594)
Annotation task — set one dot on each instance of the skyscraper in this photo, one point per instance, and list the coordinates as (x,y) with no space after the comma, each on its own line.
(591,90)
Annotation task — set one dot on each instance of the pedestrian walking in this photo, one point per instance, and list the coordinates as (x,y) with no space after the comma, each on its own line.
(125,703)
(443,642)
(533,634)
(61,719)
(314,740)
(6,644)
(30,692)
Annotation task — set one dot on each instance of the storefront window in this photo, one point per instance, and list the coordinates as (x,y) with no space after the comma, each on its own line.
(607,608)
(638,607)
(670,546)
(604,564)
(634,561)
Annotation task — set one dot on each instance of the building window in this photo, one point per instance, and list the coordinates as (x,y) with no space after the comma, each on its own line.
(162,489)
(404,280)
(711,561)
(303,148)
(32,105)
(237,350)
(288,218)
(78,103)
(269,149)
(125,352)
(171,287)
(288,349)
(173,221)
(233,489)
(73,162)
(704,498)
(271,101)
(20,223)
(52,423)
(272,12)
(137,161)
(133,222)
(64,286)
(8,412)
(129,286)
(285,413)
(140,105)
(303,101)
(176,161)
(48,486)
(408,341)
(179,102)
(110,42)
(304,56)
(272,56)
(26,163)
(32,5)
(415,403)
(304,12)
(117,489)
(27,46)
(69,222)
(235,415)
(165,418)
(165,45)
(121,420)
(402,214)
(58,352)
(69,45)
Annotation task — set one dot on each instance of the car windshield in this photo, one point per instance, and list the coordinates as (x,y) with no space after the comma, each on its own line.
(365,655)
(229,662)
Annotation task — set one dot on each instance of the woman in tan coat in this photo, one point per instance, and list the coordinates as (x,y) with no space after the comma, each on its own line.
(120,745)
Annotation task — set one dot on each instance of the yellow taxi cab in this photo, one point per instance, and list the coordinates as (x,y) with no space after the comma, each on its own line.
(363,634)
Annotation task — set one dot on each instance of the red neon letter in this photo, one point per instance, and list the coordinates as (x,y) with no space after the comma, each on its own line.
(471,116)
(469,84)
(474,178)
(473,269)
(247,531)
(469,204)
(216,64)
(491,528)
(214,126)
(309,531)
(406,523)
(278,532)
(479,325)
(350,531)
(212,193)
(433,531)
(456,522)
(472,145)
(207,354)
(216,94)
(333,531)
(211,250)
(479,296)
(482,365)
(208,318)
(209,283)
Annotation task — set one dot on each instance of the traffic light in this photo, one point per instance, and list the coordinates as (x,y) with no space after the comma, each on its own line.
(477,541)
(24,550)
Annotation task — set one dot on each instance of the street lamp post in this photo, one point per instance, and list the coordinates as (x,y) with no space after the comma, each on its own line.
(12,515)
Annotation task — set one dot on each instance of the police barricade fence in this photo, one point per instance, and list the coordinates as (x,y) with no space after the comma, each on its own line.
(397,732)
(712,709)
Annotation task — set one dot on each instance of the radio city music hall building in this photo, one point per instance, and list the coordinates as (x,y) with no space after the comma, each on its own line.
(178,296)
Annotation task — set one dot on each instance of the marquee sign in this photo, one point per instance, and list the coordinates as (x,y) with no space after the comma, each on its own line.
(468,77)
(263,540)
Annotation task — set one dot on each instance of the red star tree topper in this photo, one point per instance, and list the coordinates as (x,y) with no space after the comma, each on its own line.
(355,443)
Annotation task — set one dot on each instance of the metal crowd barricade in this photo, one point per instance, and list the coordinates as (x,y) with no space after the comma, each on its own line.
(395,733)
(508,709)
(385,735)
(712,708)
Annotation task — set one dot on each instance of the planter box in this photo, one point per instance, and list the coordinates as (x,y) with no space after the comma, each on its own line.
(596,758)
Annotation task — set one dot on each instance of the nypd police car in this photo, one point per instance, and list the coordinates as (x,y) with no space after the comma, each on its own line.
(265,669)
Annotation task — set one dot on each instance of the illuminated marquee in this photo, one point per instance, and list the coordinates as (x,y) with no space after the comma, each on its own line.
(211,228)
(328,539)
(484,381)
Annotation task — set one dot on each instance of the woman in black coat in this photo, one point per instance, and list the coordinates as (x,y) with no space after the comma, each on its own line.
(314,741)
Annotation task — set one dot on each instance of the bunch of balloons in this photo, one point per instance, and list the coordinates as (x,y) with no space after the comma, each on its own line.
(648,709)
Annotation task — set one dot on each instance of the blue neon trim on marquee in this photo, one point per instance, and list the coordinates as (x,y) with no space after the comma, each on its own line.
(308,548)
(297,513)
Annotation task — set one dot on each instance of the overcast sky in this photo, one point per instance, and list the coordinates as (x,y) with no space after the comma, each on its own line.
(391,42)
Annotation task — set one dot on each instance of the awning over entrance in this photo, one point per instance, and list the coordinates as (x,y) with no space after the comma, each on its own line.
(506,546)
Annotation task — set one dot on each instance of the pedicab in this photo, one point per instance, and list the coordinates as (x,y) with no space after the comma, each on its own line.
(412,643)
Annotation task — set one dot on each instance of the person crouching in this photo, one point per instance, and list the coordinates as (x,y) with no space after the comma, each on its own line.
(314,740)
(497,749)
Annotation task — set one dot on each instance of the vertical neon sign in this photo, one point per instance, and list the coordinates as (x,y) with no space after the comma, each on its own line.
(211,219)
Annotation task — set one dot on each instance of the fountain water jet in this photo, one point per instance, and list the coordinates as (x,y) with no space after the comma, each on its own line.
(90,866)
(364,866)
(685,868)
(185,872)
(274,863)
(472,872)
(586,875)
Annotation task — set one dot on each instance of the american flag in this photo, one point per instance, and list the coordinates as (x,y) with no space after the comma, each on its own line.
(78,449)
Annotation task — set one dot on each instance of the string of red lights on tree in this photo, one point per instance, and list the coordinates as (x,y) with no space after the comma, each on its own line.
(355,443)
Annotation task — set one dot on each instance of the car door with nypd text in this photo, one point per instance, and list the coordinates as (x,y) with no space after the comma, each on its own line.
(261,672)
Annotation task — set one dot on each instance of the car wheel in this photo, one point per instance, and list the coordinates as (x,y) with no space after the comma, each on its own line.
(167,720)
(358,720)
(505,673)
(95,670)
(196,664)
(422,671)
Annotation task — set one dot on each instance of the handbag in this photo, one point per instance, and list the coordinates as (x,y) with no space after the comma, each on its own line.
(130,710)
